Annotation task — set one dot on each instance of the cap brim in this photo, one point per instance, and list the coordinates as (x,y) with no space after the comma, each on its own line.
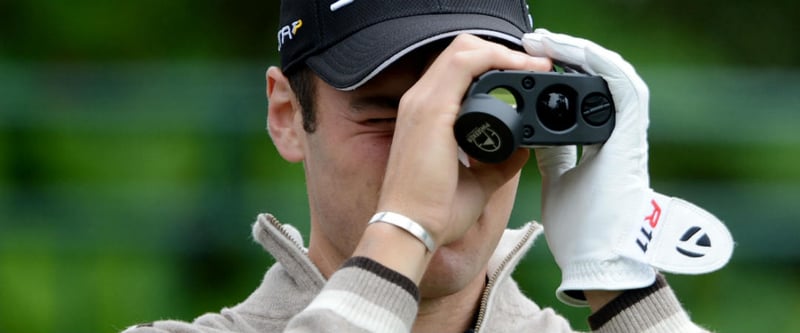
(355,60)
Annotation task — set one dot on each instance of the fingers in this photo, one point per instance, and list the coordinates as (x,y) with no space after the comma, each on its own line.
(555,161)
(469,56)
(543,43)
(423,179)
(589,56)
(630,93)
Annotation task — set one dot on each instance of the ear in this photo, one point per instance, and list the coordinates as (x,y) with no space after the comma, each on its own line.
(284,117)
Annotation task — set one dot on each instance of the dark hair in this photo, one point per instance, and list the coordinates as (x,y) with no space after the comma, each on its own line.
(302,83)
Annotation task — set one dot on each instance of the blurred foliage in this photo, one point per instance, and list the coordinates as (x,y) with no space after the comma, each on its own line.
(133,155)
(707,32)
(92,30)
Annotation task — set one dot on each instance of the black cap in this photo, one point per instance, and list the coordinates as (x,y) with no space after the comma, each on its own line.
(347,42)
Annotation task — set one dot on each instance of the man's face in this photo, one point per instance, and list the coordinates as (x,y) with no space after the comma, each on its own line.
(345,160)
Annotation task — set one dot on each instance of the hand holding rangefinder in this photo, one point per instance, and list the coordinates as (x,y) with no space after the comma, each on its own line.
(551,109)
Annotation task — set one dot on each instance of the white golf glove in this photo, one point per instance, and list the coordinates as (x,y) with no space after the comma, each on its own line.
(604,225)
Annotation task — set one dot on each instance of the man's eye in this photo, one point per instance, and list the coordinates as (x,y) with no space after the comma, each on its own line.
(381,120)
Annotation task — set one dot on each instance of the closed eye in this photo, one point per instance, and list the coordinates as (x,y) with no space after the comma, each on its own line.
(381,120)
(382,125)
(376,111)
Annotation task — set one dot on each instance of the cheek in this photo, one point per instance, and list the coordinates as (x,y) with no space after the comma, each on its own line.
(362,157)
(376,151)
(344,184)
(344,154)
(362,168)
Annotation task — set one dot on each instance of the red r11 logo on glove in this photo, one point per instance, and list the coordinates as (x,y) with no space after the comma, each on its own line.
(652,220)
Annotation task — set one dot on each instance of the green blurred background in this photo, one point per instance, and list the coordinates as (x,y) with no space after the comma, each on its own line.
(133,155)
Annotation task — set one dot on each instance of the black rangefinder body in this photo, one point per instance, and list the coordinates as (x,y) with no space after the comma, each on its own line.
(550,109)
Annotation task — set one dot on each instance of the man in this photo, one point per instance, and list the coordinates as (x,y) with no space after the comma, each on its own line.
(366,99)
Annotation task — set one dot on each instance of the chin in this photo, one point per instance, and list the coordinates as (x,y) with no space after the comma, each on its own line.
(452,269)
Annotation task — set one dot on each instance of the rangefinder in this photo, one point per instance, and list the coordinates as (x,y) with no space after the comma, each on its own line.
(505,110)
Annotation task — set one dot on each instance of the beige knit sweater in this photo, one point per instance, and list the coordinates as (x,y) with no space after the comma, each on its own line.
(364,296)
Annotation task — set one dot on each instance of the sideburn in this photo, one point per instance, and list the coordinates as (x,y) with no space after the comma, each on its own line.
(303,84)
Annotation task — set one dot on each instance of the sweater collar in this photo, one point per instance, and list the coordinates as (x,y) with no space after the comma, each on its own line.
(285,244)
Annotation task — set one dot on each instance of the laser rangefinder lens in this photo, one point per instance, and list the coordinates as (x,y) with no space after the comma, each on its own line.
(556,108)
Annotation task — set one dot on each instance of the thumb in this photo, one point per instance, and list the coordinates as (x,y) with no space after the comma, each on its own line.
(493,176)
(559,47)
(554,161)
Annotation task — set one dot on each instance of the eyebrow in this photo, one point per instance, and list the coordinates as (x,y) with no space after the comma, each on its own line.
(360,104)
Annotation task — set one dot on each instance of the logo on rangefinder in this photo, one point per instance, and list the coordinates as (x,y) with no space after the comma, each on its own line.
(485,138)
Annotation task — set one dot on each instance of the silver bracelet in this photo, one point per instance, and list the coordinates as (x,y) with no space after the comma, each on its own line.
(406,224)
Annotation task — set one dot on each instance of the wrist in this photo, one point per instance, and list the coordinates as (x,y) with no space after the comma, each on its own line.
(597,299)
(395,249)
(619,274)
(408,225)
(662,302)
